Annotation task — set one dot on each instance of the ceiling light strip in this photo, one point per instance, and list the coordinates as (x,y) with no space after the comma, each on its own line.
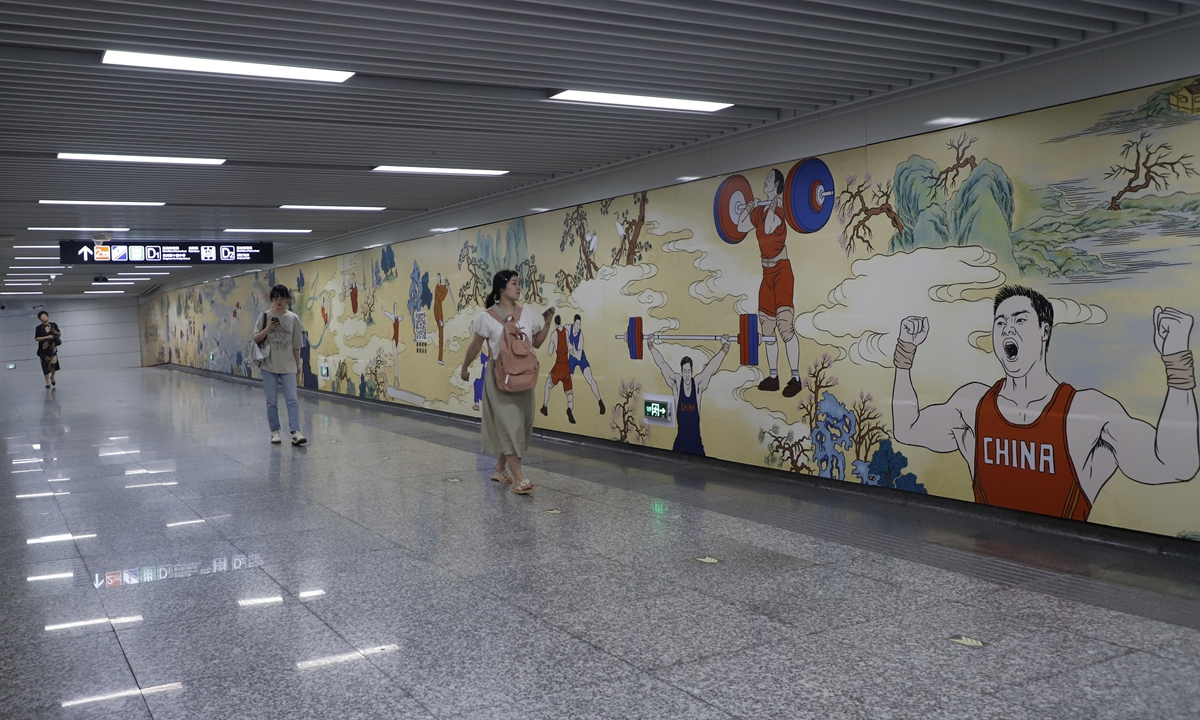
(100,157)
(642,101)
(223,67)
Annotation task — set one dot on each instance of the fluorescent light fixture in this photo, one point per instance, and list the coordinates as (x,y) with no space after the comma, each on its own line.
(141,159)
(223,67)
(39,267)
(260,601)
(156,267)
(443,230)
(131,280)
(120,437)
(15,283)
(114,282)
(120,452)
(162,484)
(22,461)
(80,229)
(646,101)
(103,292)
(18,472)
(37,275)
(352,208)
(357,655)
(38,495)
(185,522)
(145,273)
(266,230)
(99,621)
(945,121)
(31,257)
(58,479)
(57,538)
(539,210)
(21,293)
(436,171)
(688,178)
(35,247)
(144,471)
(52,576)
(122,203)
(311,593)
(124,693)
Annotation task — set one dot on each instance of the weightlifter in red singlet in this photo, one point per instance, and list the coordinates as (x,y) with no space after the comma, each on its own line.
(1035,444)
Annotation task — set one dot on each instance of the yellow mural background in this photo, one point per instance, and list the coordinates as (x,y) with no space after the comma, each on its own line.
(847,301)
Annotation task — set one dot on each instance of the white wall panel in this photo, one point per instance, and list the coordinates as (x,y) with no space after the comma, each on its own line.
(96,333)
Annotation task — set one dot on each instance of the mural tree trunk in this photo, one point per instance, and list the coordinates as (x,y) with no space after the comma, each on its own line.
(787,451)
(855,212)
(962,161)
(815,384)
(625,421)
(1151,166)
(575,232)
(629,252)
(531,280)
(479,282)
(870,430)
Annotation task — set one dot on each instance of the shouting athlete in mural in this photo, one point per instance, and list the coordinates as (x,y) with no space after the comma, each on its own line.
(1035,444)
(776,305)
(561,372)
(688,386)
(578,359)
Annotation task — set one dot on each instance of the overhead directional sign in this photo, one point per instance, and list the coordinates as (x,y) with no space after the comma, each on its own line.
(87,252)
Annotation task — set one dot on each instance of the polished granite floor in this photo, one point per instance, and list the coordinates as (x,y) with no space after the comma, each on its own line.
(164,561)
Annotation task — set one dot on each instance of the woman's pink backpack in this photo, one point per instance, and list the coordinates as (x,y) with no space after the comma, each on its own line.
(515,362)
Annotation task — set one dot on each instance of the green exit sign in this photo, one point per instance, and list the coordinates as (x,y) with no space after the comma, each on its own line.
(657,409)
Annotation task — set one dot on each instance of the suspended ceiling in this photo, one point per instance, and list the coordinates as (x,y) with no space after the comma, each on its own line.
(447,83)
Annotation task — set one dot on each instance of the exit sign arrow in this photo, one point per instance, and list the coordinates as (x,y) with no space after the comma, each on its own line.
(84,252)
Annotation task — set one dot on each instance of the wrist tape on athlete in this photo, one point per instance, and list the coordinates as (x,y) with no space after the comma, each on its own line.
(1181,372)
(903,357)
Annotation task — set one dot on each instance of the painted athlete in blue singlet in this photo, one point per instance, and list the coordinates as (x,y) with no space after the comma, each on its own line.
(688,388)
(578,358)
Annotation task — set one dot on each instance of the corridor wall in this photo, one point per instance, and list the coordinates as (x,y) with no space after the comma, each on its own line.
(814,268)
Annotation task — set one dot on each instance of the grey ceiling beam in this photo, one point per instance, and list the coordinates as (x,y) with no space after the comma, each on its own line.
(1086,9)
(947,14)
(1165,8)
(992,8)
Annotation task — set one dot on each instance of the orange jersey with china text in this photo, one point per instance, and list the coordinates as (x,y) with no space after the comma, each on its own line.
(1027,467)
(773,243)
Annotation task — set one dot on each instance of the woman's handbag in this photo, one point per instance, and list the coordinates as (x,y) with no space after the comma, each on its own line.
(256,353)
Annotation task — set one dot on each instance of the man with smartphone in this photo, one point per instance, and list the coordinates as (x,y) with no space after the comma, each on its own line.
(281,328)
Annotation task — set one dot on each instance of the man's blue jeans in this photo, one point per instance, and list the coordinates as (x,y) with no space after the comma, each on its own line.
(271,383)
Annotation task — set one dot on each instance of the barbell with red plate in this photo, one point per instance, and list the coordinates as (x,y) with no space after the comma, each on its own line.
(807,200)
(747,338)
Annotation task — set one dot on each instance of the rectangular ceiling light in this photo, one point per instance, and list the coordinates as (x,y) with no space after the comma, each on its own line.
(352,208)
(30,257)
(155,267)
(102,292)
(35,247)
(80,229)
(21,293)
(39,267)
(223,67)
(101,202)
(141,159)
(436,171)
(265,230)
(443,230)
(145,273)
(114,282)
(657,103)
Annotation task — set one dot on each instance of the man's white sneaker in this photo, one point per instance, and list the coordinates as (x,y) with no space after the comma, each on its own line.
(275,439)
(298,439)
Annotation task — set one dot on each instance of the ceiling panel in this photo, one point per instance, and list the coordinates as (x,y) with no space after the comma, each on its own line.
(449,83)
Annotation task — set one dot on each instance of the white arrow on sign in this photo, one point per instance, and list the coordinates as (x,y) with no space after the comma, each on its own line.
(84,252)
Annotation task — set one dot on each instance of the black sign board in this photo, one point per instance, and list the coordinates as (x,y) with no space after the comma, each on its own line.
(87,252)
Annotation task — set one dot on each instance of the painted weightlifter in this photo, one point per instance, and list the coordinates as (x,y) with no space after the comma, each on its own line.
(1035,444)
(776,304)
(561,372)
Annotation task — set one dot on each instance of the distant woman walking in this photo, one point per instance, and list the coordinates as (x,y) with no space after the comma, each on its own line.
(507,416)
(48,339)
(282,364)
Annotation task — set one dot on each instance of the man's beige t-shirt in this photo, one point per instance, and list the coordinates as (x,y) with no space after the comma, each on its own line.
(285,338)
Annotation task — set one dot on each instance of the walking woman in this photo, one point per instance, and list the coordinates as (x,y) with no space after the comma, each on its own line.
(282,364)
(48,339)
(507,416)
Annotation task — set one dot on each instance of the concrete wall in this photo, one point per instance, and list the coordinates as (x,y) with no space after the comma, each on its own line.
(96,333)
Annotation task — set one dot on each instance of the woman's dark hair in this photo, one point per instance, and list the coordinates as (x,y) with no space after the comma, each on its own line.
(280,291)
(43,313)
(499,281)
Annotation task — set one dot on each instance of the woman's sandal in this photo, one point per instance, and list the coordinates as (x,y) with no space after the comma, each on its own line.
(523,487)
(502,476)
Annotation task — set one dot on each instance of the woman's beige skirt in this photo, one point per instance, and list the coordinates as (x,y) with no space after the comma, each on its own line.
(507,418)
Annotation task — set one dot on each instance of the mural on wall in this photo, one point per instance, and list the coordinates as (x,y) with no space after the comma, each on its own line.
(999,313)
